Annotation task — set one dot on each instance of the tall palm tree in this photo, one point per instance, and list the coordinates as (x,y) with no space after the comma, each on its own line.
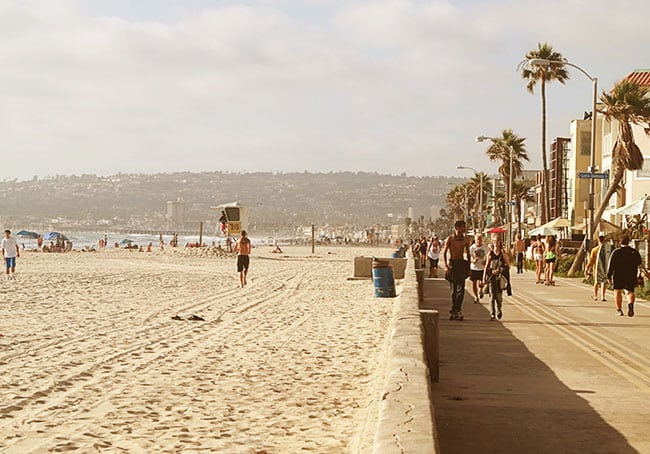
(521,193)
(542,74)
(500,150)
(477,191)
(455,201)
(628,103)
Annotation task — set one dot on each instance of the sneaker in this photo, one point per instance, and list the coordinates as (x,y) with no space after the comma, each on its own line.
(499,315)
(475,300)
(492,317)
(619,312)
(630,310)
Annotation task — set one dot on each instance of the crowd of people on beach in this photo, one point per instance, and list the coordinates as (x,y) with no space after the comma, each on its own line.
(488,266)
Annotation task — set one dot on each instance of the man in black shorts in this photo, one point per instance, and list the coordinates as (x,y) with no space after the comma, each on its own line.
(243,250)
(622,274)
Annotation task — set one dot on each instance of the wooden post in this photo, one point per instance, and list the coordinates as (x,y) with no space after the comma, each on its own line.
(201,233)
(429,319)
(313,238)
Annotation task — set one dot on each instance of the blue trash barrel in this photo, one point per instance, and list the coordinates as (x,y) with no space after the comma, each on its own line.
(395,255)
(383,279)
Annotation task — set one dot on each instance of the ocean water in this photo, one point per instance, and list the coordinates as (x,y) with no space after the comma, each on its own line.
(81,240)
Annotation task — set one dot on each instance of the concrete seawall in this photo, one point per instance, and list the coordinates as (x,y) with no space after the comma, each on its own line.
(406,416)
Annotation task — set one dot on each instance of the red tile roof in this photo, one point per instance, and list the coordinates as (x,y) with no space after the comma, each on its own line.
(640,77)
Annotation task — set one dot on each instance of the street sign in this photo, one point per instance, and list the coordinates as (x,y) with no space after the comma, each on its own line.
(594,175)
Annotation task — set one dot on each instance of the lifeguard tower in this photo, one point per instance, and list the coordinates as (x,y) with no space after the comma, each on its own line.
(233,218)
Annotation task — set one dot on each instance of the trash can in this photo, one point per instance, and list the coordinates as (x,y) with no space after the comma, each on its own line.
(383,279)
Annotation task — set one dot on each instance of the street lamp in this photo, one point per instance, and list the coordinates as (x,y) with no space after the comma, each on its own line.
(480,195)
(592,162)
(482,138)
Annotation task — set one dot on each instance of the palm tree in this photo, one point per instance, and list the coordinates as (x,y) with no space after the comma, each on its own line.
(503,148)
(477,191)
(521,193)
(456,201)
(627,103)
(542,74)
(498,205)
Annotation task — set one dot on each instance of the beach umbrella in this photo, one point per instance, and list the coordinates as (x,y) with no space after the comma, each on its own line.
(557,223)
(496,230)
(55,236)
(27,234)
(603,226)
(544,231)
(126,241)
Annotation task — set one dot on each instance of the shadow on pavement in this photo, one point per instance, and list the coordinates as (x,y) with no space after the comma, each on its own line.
(495,396)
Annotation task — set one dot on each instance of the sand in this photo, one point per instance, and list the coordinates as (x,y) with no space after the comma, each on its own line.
(91,359)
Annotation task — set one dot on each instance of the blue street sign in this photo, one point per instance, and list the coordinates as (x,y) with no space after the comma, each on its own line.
(594,175)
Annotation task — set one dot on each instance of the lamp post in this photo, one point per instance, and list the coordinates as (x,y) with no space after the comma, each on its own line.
(592,158)
(480,195)
(509,203)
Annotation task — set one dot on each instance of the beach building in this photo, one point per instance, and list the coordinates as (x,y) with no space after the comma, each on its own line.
(579,160)
(175,213)
(636,183)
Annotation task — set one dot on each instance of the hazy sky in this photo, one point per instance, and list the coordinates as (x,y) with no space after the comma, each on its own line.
(392,86)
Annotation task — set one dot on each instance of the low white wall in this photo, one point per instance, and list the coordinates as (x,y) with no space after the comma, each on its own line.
(406,417)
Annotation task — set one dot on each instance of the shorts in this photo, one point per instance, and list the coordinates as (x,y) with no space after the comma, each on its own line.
(475,275)
(624,284)
(433,262)
(11,262)
(550,260)
(242,263)
(538,257)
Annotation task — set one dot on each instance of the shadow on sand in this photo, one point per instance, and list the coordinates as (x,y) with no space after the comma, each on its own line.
(495,396)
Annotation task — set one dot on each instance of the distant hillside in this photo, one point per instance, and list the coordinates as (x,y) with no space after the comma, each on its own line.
(276,200)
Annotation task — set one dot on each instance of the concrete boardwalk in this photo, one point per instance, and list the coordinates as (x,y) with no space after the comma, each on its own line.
(560,373)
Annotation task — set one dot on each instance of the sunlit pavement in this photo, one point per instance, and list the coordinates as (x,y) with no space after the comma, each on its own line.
(559,373)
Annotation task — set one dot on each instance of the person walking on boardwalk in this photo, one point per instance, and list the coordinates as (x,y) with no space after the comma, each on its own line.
(520,250)
(497,276)
(433,254)
(597,267)
(10,251)
(622,273)
(538,256)
(478,253)
(552,255)
(243,250)
(457,247)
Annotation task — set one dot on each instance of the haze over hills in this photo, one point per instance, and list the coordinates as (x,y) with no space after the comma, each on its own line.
(277,201)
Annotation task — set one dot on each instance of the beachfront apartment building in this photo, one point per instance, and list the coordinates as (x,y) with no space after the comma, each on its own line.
(569,157)
(578,161)
(636,183)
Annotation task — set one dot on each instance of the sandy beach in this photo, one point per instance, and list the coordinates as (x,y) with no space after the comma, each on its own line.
(92,360)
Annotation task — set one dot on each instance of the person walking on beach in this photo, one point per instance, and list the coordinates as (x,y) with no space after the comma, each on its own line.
(457,265)
(622,273)
(478,253)
(538,256)
(243,250)
(497,277)
(520,249)
(10,251)
(597,267)
(433,254)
